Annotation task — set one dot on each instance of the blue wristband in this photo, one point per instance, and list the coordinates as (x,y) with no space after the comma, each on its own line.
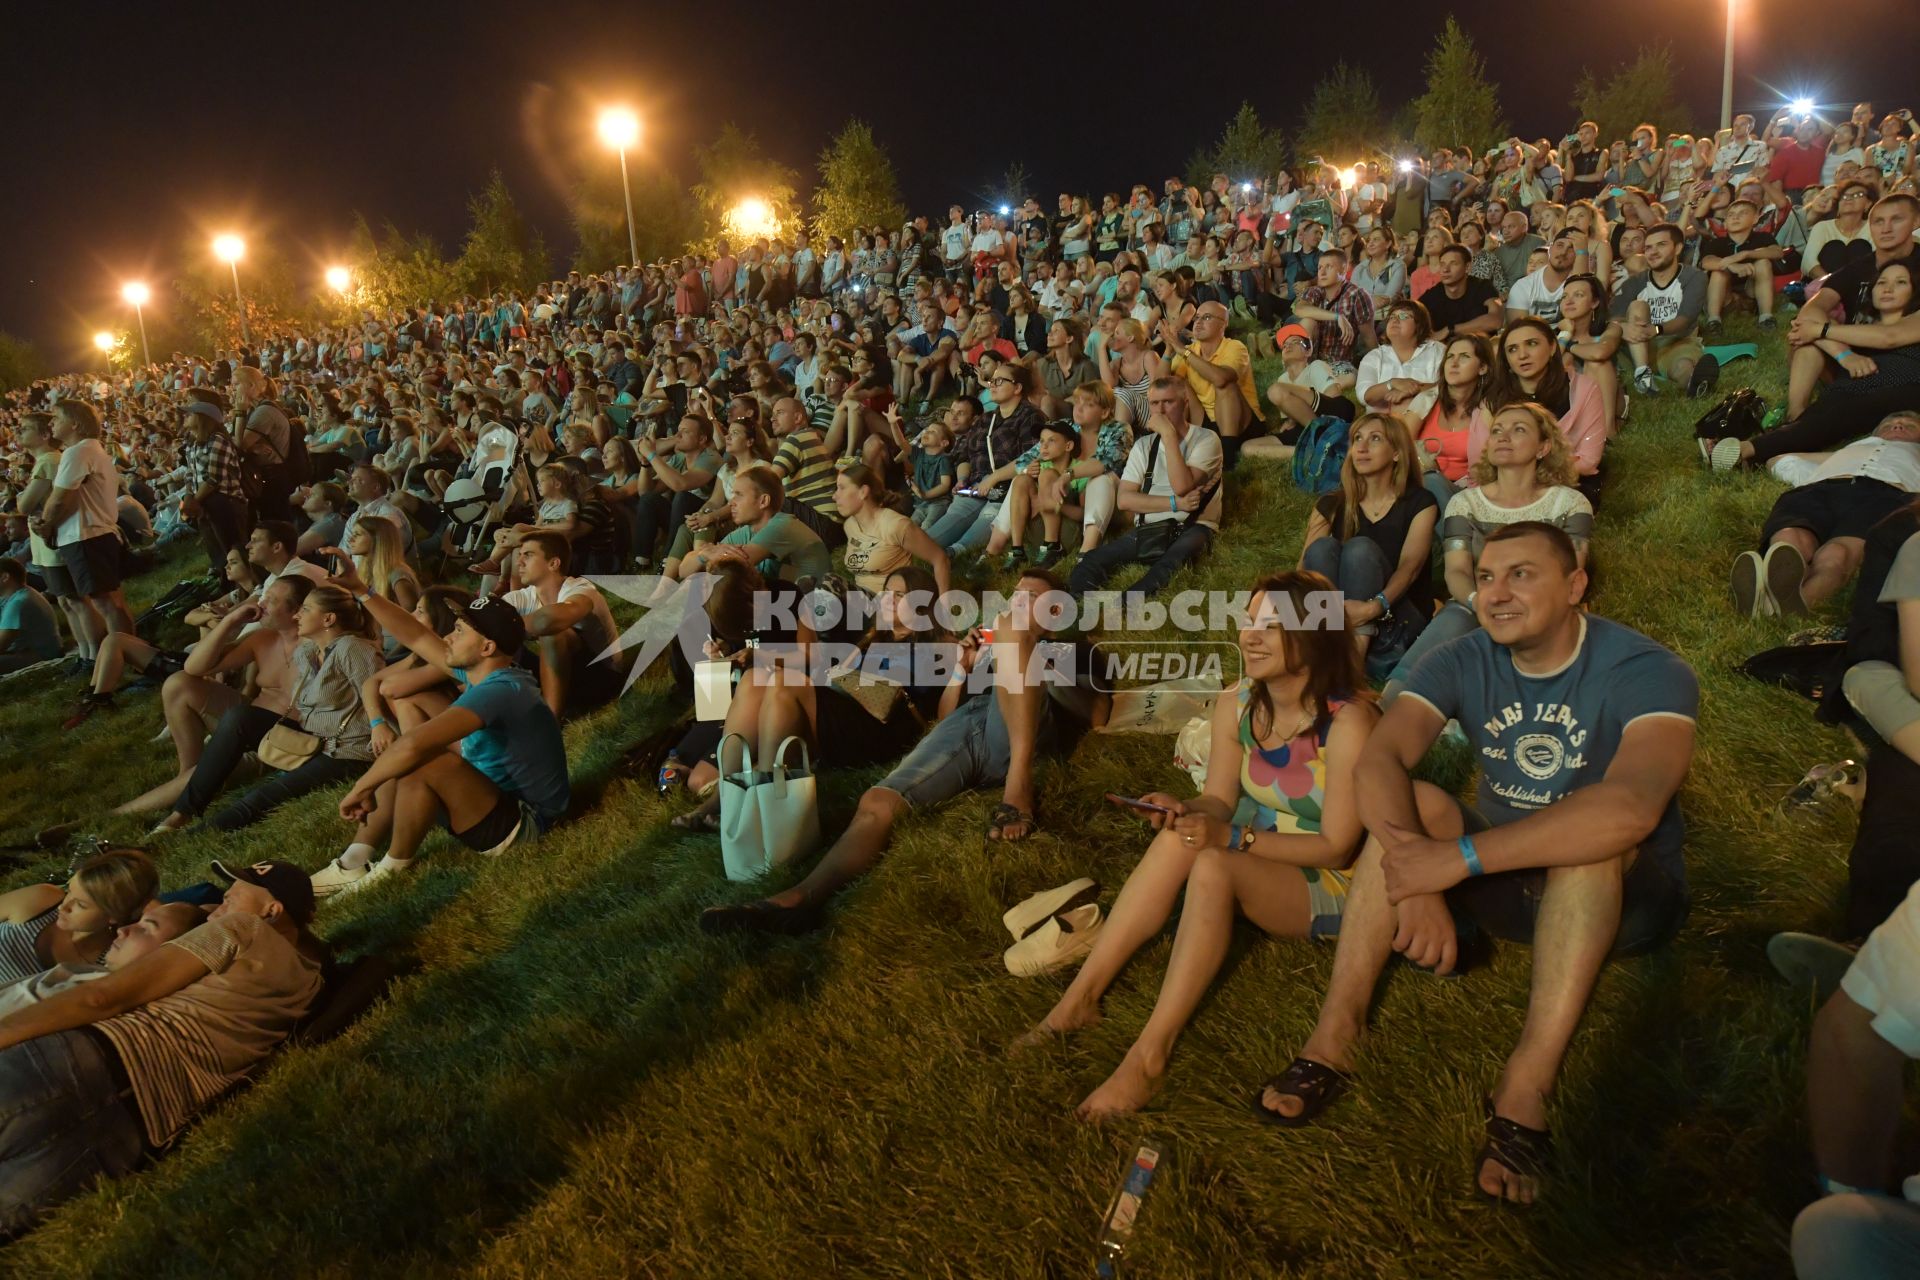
(1381,600)
(1233,836)
(1471,858)
(376,722)
(1173,503)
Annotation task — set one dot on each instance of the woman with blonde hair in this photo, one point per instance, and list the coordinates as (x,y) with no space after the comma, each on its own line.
(42,925)
(1129,368)
(1524,473)
(380,556)
(1373,537)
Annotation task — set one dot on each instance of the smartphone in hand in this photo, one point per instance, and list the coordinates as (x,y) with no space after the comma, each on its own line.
(1144,806)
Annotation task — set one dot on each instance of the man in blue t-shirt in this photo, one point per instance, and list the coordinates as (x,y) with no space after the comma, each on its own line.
(506,784)
(1583,730)
(28,633)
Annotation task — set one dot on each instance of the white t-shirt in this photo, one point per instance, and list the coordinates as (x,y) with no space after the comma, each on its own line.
(989,241)
(1532,294)
(953,241)
(1382,364)
(86,468)
(1201,449)
(596,630)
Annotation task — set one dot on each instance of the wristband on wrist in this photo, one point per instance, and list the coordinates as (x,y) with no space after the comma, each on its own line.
(376,722)
(1173,503)
(1471,858)
(1843,354)
(1381,600)
(1824,326)
(1233,836)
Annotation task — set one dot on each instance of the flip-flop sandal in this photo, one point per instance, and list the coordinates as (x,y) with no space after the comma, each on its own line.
(1516,1148)
(1317,1085)
(1004,816)
(703,822)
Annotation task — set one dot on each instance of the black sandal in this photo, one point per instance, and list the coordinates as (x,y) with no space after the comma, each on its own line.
(1317,1085)
(1516,1148)
(1006,815)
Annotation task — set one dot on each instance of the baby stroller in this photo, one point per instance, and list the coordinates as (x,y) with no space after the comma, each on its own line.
(496,480)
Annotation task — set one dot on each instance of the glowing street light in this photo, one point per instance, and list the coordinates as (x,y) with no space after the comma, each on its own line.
(620,129)
(230,249)
(137,294)
(104,341)
(753,217)
(339,279)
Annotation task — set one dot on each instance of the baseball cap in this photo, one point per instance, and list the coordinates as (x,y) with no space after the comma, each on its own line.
(1287,331)
(498,621)
(289,885)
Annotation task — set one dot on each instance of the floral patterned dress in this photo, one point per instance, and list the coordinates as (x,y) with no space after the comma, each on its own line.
(1287,786)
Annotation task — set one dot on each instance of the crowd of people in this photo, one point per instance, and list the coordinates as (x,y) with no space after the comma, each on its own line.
(403,518)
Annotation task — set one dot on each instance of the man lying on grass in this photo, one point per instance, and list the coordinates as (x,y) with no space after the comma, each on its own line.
(989,740)
(95,1076)
(507,783)
(1583,730)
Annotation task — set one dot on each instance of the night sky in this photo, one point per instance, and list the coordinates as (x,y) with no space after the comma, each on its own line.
(140,129)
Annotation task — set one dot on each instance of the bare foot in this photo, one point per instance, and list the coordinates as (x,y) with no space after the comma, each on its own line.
(1062,1020)
(1130,1087)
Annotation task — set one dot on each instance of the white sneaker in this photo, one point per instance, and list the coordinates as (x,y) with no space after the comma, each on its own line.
(1063,940)
(513,838)
(334,878)
(380,870)
(1025,917)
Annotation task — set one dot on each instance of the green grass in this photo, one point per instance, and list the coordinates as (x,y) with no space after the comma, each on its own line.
(578,1082)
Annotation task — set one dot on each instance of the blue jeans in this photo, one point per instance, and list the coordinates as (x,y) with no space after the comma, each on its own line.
(320,770)
(63,1124)
(1360,568)
(1452,622)
(1093,569)
(1440,487)
(966,525)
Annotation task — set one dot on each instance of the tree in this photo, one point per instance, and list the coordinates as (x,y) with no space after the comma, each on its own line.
(398,270)
(1642,92)
(1343,120)
(664,220)
(503,250)
(20,363)
(858,187)
(732,170)
(1245,149)
(1016,184)
(209,319)
(1461,107)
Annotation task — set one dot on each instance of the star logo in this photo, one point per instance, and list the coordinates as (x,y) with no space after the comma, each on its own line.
(670,613)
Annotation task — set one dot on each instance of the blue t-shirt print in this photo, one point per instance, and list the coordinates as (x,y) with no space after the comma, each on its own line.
(518,746)
(1538,738)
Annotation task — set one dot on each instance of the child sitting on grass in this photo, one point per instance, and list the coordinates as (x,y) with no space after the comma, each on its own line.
(932,480)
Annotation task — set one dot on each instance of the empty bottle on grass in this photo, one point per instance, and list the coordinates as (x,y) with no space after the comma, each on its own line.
(1116,1230)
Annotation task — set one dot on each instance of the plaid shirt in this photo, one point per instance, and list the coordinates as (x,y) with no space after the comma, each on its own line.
(1352,302)
(215,462)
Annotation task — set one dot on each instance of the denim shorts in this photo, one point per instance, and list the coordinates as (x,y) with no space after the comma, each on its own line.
(65,1121)
(969,750)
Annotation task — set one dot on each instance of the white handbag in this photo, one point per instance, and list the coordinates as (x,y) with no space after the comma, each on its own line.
(766,819)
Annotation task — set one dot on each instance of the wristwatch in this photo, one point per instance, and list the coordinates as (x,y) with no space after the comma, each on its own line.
(1247,834)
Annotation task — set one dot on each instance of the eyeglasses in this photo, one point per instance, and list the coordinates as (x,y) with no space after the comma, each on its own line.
(1000,382)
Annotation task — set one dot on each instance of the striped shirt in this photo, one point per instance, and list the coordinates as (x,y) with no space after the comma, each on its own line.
(807,470)
(184,1050)
(18,958)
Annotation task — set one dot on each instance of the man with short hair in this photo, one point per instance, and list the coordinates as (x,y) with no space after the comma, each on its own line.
(1516,245)
(1816,348)
(81,517)
(215,503)
(121,1065)
(1461,304)
(1660,308)
(28,630)
(804,464)
(372,489)
(1737,154)
(1538,292)
(265,437)
(1586,165)
(1172,485)
(1744,255)
(1219,369)
(491,768)
(1583,730)
(574,637)
(683,471)
(1338,313)
(272,547)
(158,923)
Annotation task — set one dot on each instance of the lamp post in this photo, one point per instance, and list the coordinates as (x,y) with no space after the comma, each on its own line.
(339,279)
(229,249)
(104,342)
(137,294)
(619,129)
(1726,73)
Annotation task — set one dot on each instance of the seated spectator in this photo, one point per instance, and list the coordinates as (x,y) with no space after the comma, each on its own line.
(1591,339)
(1813,541)
(1455,431)
(1373,538)
(805,465)
(29,632)
(985,737)
(676,483)
(1219,370)
(1402,374)
(558,513)
(1303,390)
(255,635)
(930,472)
(576,646)
(42,925)
(1128,365)
(1885,381)
(1538,292)
(1461,304)
(1817,351)
(1575,848)
(1337,313)
(122,1065)
(371,490)
(325,506)
(765,535)
(879,538)
(1524,475)
(1381,274)
(491,768)
(1284,742)
(746,445)
(332,660)
(1863,1039)
(1082,481)
(1528,369)
(1839,233)
(158,923)
(1171,486)
(1743,258)
(1660,309)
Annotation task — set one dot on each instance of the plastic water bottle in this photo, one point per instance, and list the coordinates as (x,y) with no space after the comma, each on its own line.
(1116,1230)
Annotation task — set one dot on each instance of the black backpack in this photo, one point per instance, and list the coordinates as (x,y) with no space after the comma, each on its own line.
(1737,416)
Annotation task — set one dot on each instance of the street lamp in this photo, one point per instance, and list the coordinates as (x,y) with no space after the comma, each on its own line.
(1726,73)
(137,294)
(104,340)
(230,249)
(620,129)
(339,279)
(753,217)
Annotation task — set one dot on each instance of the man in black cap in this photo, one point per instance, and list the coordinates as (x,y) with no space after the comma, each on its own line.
(122,1064)
(508,781)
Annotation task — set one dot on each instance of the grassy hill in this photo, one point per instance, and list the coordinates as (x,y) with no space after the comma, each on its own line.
(578,1082)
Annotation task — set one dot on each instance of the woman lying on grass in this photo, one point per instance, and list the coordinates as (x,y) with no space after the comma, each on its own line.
(1284,742)
(42,925)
